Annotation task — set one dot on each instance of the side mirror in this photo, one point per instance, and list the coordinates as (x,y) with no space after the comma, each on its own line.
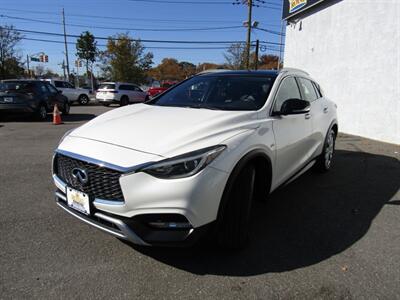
(59,92)
(295,107)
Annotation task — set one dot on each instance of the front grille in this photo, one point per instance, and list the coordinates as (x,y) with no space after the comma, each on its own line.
(103,182)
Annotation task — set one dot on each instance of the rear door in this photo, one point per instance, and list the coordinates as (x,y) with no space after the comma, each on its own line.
(44,94)
(73,93)
(292,134)
(140,96)
(127,90)
(317,113)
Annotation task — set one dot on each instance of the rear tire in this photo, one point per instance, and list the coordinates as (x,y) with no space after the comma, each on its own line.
(124,101)
(41,113)
(83,99)
(66,108)
(233,220)
(325,160)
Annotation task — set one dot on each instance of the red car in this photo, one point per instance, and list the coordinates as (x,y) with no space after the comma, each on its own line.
(154,91)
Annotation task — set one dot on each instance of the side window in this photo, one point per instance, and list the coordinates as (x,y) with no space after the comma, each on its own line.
(51,88)
(307,90)
(42,88)
(68,85)
(124,87)
(59,84)
(287,90)
(318,89)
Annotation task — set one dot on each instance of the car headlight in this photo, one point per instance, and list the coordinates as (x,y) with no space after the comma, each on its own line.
(184,165)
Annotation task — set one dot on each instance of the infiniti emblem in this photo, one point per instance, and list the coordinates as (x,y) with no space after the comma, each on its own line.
(80,175)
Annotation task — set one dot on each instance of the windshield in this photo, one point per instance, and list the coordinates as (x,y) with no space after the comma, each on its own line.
(226,92)
(107,86)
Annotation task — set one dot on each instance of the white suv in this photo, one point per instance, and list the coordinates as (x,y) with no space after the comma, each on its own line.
(121,93)
(195,158)
(68,90)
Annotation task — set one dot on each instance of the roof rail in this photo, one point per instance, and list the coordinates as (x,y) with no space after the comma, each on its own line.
(213,71)
(294,70)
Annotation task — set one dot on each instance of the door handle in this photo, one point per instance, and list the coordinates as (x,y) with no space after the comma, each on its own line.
(325,110)
(307,116)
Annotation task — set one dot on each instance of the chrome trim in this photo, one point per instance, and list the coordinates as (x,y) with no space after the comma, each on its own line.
(61,196)
(125,232)
(59,183)
(107,202)
(96,161)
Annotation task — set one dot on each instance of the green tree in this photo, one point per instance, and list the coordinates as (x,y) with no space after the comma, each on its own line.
(187,69)
(10,61)
(86,49)
(125,59)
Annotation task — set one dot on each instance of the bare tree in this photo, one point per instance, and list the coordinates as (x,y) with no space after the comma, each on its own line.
(10,61)
(235,56)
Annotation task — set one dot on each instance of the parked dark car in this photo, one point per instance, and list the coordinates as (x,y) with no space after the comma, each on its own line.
(31,96)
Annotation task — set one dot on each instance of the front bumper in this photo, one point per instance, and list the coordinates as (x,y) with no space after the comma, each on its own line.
(135,229)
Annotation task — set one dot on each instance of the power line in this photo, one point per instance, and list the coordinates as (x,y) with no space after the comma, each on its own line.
(122,28)
(269,31)
(141,40)
(102,17)
(149,47)
(204,3)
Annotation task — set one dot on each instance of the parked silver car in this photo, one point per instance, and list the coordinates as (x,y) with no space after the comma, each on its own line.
(71,92)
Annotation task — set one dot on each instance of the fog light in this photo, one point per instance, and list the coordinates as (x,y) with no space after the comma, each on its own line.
(170,225)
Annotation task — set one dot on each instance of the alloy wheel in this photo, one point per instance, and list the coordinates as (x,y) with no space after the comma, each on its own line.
(329,149)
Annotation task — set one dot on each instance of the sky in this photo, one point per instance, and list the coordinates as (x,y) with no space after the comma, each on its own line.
(132,16)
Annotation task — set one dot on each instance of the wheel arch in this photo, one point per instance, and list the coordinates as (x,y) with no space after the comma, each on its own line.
(263,166)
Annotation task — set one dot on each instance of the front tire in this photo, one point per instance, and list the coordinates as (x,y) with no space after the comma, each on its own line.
(83,99)
(325,160)
(233,220)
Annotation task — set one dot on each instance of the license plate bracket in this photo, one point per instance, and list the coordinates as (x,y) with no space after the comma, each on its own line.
(78,200)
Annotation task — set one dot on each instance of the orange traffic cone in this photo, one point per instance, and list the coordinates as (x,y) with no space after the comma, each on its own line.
(56,116)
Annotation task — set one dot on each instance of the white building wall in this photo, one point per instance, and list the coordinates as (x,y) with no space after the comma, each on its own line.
(352,48)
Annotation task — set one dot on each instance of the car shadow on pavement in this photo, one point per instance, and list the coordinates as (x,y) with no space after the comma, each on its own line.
(78,117)
(75,117)
(304,223)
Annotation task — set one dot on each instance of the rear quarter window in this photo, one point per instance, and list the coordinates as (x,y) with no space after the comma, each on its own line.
(307,89)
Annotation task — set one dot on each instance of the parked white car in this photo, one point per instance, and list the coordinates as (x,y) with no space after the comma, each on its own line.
(71,92)
(195,158)
(120,92)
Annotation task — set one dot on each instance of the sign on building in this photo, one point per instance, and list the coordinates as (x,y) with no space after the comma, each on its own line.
(293,7)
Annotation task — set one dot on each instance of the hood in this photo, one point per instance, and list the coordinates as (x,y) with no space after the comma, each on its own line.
(166,131)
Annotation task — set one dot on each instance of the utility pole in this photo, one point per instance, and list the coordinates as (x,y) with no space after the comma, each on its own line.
(63,67)
(77,72)
(27,65)
(256,57)
(65,44)
(250,7)
(280,46)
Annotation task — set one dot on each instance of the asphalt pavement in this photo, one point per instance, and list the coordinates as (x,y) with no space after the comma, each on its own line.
(329,236)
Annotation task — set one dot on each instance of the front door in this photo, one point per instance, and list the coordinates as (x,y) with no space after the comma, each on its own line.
(292,134)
